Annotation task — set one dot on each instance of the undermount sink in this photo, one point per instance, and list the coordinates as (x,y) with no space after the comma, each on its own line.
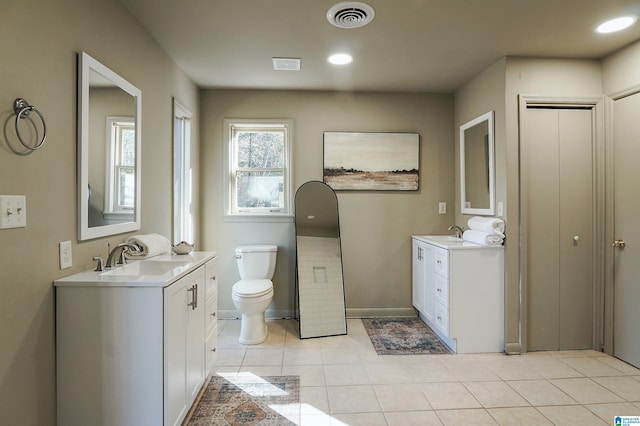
(138,268)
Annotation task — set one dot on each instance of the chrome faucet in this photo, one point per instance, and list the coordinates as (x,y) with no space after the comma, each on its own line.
(457,229)
(120,250)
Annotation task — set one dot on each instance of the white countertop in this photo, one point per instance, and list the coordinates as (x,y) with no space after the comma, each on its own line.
(450,242)
(166,268)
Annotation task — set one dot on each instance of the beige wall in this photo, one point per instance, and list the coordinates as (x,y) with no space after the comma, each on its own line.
(544,77)
(497,88)
(39,41)
(621,70)
(376,227)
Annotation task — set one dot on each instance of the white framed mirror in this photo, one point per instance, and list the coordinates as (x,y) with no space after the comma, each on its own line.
(477,175)
(109,113)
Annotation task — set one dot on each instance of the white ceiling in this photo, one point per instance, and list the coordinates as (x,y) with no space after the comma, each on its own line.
(411,45)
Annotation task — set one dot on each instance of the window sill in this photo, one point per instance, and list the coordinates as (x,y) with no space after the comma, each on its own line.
(258,218)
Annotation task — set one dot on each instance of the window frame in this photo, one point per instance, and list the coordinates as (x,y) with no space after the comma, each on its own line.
(183,220)
(115,126)
(230,169)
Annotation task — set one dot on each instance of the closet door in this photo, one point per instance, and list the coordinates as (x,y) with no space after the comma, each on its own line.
(626,338)
(558,180)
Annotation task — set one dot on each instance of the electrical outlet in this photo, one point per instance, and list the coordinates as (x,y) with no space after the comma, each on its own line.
(442,207)
(13,211)
(65,255)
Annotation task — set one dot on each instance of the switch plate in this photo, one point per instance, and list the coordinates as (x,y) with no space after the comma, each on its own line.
(65,255)
(13,211)
(500,209)
(442,207)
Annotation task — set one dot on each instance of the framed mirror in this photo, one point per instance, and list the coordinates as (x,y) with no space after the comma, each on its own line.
(109,111)
(477,175)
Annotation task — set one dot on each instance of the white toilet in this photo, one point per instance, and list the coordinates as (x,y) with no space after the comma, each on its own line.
(254,292)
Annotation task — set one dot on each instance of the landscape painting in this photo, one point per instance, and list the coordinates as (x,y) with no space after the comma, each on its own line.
(371,161)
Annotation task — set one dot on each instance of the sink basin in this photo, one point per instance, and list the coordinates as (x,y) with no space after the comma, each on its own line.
(443,238)
(138,268)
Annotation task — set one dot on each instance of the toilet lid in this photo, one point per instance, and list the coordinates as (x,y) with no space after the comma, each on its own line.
(252,288)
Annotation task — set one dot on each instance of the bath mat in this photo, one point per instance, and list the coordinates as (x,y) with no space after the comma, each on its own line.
(246,399)
(403,336)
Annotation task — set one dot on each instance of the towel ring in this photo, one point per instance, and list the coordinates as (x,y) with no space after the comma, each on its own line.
(22,110)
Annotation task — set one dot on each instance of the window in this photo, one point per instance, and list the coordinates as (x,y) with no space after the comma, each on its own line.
(122,160)
(259,167)
(183,227)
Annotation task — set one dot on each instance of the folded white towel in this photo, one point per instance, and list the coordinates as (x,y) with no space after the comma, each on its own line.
(150,245)
(483,238)
(486,224)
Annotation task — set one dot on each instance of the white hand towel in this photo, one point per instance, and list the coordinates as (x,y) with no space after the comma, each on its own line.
(483,238)
(486,224)
(150,245)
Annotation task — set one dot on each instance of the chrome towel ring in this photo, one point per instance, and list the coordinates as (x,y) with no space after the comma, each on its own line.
(22,110)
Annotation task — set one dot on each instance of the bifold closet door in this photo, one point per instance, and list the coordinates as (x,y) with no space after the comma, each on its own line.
(558,152)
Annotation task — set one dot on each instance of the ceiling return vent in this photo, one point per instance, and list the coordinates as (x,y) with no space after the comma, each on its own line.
(350,14)
(286,64)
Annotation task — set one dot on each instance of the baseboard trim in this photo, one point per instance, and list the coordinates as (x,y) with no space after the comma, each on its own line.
(230,314)
(380,312)
(513,348)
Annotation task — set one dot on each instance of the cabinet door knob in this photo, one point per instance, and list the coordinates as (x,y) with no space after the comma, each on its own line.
(213,314)
(213,350)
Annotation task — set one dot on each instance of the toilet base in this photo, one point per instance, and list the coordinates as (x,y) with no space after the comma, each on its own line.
(253,329)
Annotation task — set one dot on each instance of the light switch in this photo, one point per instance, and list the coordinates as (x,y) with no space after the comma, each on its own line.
(13,211)
(500,209)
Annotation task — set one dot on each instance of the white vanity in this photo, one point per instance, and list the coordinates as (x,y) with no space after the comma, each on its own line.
(458,290)
(135,343)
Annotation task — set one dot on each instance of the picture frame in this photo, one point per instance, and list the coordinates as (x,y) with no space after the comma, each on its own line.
(359,161)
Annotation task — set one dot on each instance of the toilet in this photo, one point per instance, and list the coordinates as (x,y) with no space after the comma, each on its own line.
(252,295)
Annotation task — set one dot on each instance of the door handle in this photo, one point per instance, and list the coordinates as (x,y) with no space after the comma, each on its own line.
(619,244)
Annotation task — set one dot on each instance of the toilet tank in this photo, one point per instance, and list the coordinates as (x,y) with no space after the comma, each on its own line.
(256,261)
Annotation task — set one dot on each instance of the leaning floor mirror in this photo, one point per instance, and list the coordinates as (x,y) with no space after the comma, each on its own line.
(319,278)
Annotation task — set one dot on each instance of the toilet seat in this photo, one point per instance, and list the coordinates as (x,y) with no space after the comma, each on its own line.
(252,288)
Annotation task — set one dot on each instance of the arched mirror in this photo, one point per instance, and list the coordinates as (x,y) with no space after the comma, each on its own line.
(319,278)
(477,179)
(108,151)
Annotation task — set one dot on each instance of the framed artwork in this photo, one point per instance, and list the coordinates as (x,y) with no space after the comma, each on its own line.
(371,161)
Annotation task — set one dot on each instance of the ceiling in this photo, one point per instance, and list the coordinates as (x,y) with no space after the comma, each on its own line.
(410,46)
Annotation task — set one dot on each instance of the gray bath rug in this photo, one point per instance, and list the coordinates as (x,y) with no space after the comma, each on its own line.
(403,336)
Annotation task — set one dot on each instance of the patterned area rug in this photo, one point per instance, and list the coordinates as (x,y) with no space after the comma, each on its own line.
(403,336)
(246,399)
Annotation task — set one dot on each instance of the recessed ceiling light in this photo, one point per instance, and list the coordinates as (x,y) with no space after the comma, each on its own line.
(340,59)
(617,24)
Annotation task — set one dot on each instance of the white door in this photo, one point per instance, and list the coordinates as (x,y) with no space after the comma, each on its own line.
(626,170)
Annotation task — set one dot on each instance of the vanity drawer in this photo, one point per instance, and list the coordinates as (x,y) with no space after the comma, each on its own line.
(211,281)
(211,348)
(441,285)
(211,312)
(441,318)
(441,261)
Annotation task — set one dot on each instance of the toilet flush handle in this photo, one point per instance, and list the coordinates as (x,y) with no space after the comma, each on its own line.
(238,256)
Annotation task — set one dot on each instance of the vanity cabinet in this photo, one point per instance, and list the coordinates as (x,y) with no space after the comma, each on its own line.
(458,291)
(132,351)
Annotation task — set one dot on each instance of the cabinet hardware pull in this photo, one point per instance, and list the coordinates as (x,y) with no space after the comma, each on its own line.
(213,350)
(194,297)
(213,314)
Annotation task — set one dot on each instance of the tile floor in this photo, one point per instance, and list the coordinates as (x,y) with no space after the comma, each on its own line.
(344,382)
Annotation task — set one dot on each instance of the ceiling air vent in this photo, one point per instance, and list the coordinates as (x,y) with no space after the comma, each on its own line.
(350,14)
(286,64)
